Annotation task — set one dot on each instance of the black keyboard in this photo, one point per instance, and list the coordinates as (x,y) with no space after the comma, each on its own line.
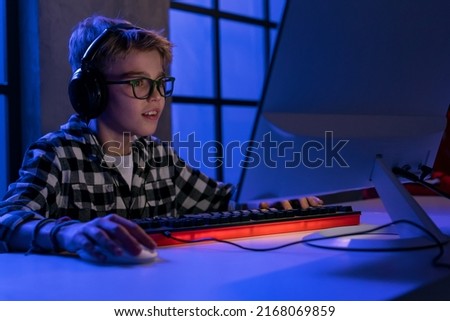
(246,223)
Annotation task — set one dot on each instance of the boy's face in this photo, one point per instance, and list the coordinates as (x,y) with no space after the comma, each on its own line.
(125,113)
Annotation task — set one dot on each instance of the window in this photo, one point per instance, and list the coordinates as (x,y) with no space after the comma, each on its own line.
(3,101)
(221,54)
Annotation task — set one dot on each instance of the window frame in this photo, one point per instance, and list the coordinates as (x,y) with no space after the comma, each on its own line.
(217,101)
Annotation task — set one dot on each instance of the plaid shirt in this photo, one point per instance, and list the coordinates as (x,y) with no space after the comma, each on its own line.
(65,174)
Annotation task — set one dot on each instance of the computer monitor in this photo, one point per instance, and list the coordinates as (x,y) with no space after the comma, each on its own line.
(355,88)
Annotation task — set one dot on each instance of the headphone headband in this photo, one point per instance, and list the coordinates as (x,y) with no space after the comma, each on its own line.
(98,42)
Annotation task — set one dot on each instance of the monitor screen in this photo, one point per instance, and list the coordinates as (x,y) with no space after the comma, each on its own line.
(355,88)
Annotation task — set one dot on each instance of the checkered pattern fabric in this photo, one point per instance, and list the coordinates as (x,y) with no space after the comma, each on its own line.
(65,174)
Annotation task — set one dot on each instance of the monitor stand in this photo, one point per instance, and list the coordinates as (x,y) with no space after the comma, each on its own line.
(400,206)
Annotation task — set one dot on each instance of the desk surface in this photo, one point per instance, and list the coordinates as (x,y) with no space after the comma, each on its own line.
(217,271)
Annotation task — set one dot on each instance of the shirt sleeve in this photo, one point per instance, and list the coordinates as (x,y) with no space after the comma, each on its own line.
(198,193)
(32,195)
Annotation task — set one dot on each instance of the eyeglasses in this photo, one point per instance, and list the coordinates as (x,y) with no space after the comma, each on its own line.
(143,87)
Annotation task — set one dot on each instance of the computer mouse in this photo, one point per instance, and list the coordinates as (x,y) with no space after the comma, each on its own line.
(146,256)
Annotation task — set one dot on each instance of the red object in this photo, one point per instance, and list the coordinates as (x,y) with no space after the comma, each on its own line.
(441,170)
(442,161)
(226,233)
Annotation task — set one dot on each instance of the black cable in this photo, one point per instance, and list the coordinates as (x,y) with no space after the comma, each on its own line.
(435,260)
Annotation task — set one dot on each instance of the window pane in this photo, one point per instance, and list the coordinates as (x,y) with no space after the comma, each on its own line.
(3,145)
(273,40)
(237,127)
(3,113)
(242,60)
(276,15)
(251,8)
(276,10)
(201,3)
(2,42)
(193,56)
(193,135)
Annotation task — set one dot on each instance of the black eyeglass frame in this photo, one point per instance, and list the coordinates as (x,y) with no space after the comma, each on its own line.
(153,82)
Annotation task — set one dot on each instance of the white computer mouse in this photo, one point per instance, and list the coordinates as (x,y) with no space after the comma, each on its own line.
(146,256)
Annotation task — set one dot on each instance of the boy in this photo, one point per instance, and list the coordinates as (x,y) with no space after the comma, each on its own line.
(80,186)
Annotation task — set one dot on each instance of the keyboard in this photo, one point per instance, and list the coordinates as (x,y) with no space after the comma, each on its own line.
(245,223)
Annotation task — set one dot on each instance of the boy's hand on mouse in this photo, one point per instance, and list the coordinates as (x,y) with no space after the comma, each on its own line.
(112,233)
(304,203)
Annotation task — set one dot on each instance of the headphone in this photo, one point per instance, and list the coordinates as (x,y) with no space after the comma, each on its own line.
(87,88)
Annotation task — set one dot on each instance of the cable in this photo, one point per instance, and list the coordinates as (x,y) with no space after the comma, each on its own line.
(435,260)
(206,239)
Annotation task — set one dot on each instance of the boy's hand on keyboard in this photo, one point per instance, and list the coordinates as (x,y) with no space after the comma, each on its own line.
(304,202)
(309,201)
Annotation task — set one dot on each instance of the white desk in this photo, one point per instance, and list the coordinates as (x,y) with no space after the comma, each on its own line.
(221,272)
